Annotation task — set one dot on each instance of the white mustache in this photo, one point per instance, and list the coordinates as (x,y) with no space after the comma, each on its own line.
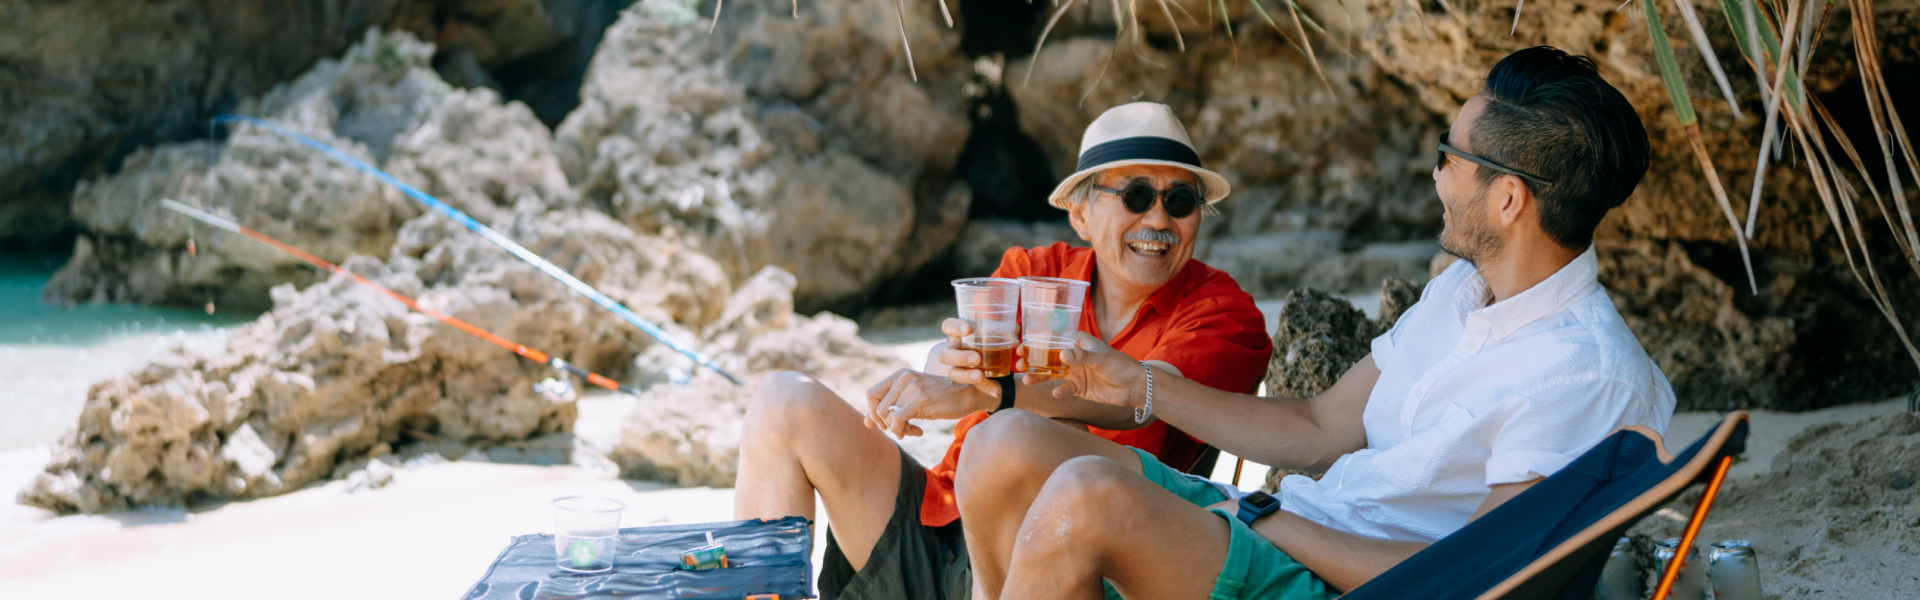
(1158,236)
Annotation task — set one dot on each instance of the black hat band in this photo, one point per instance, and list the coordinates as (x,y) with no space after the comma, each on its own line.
(1138,148)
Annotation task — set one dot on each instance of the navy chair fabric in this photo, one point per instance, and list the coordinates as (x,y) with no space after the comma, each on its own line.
(1552,540)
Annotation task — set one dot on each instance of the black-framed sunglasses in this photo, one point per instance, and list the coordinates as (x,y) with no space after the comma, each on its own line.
(1180,200)
(1446,149)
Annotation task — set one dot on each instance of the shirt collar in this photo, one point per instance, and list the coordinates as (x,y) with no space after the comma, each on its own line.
(1161,302)
(1572,282)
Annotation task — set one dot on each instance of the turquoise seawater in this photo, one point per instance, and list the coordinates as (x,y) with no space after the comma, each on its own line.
(25,320)
(49,356)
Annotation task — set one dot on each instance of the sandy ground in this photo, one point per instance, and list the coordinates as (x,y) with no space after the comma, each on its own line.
(434,529)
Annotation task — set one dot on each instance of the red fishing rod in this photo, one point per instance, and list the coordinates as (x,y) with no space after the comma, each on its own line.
(529,353)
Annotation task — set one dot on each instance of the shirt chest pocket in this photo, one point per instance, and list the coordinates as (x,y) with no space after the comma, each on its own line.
(1431,454)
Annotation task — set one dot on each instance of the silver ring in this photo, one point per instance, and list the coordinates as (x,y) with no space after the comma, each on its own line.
(893,409)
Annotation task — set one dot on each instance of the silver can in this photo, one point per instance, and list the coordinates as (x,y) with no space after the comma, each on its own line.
(1621,578)
(1734,569)
(1691,584)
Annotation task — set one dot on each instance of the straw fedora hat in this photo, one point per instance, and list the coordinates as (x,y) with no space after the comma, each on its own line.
(1141,133)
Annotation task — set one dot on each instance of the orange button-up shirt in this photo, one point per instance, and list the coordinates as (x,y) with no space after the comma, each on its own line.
(1200,322)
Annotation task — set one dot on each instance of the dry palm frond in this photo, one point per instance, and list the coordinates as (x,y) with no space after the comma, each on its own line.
(1838,191)
(1705,46)
(1042,42)
(1683,111)
(1794,14)
(1315,61)
(1180,41)
(1886,121)
(1276,26)
(901,7)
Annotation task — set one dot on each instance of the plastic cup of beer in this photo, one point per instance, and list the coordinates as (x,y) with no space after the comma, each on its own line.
(990,305)
(1049,314)
(585,529)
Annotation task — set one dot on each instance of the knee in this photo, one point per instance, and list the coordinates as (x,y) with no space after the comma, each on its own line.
(1001,449)
(785,402)
(1078,491)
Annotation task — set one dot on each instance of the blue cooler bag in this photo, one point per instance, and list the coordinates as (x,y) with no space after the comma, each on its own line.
(765,559)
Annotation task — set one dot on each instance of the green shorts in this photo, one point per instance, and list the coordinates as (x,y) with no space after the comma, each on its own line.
(1254,567)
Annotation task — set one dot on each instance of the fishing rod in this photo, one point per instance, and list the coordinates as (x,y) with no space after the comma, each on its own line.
(522,350)
(491,236)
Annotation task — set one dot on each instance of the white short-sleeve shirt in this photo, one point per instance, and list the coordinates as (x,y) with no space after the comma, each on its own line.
(1473,395)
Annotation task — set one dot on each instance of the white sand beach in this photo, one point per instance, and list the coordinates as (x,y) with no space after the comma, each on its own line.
(432,531)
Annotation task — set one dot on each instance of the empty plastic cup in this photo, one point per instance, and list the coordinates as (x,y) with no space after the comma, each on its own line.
(1049,314)
(585,529)
(989,305)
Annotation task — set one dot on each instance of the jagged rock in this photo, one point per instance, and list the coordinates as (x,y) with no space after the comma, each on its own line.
(1329,178)
(690,435)
(1320,336)
(337,372)
(465,147)
(796,143)
(91,81)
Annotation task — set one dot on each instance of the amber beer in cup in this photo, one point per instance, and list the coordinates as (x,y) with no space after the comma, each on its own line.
(989,306)
(1049,314)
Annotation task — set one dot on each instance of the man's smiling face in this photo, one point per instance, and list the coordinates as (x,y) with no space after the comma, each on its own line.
(1144,250)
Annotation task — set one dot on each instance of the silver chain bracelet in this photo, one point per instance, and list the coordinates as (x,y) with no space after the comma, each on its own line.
(1139,416)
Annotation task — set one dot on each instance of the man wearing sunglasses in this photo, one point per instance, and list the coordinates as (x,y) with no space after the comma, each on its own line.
(1512,364)
(896,527)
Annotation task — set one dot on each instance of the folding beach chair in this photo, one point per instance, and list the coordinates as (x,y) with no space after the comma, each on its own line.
(1552,540)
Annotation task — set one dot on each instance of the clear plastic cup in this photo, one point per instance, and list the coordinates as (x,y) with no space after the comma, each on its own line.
(990,305)
(585,529)
(1049,314)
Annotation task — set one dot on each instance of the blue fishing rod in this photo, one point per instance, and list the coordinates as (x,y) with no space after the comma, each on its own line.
(491,236)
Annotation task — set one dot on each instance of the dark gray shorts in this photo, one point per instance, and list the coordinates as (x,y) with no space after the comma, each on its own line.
(910,560)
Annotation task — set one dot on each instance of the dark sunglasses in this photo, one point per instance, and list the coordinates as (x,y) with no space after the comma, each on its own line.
(1180,201)
(1446,149)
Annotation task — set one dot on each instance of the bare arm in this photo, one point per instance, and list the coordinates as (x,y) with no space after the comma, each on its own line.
(1345,560)
(952,386)
(1293,433)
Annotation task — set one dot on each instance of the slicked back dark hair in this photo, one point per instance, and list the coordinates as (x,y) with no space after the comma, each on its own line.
(1550,114)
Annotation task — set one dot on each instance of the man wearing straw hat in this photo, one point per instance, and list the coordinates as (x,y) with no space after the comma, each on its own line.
(1138,198)
(1513,363)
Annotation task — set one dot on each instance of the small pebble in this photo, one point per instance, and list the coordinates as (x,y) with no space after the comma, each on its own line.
(1900,481)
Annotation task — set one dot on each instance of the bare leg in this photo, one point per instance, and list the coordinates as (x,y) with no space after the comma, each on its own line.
(1096,519)
(799,439)
(1003,465)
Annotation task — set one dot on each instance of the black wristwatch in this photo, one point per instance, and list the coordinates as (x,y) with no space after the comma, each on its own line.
(1256,505)
(1006,392)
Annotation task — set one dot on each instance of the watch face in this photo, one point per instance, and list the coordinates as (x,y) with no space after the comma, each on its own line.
(1261,500)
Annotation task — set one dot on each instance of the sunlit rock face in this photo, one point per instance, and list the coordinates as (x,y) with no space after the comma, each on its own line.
(89,82)
(802,143)
(336,369)
(380,103)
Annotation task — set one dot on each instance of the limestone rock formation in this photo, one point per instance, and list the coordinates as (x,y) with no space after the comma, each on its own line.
(382,103)
(336,370)
(1329,178)
(89,82)
(797,143)
(1320,336)
(690,435)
